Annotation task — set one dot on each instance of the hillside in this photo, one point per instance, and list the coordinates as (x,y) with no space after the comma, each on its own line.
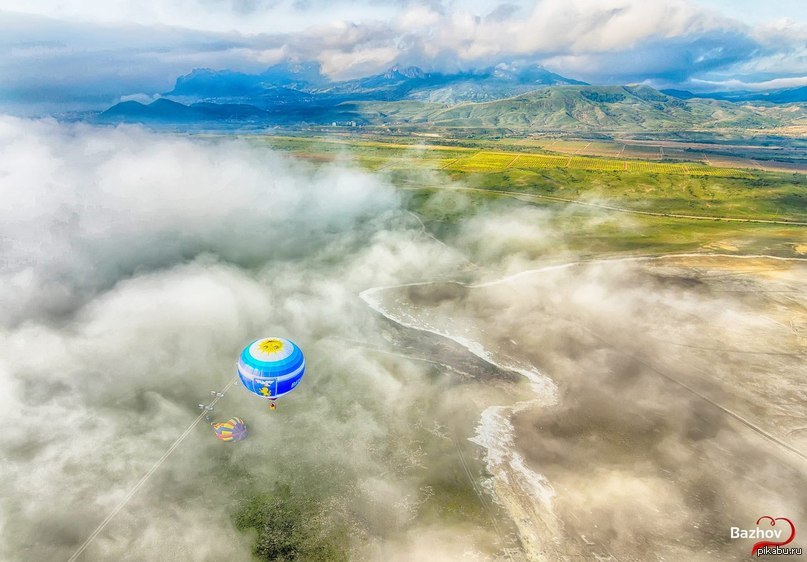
(167,111)
(781,95)
(624,108)
(553,108)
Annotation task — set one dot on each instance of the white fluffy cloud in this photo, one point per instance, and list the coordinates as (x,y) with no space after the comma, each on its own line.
(133,266)
(258,16)
(92,53)
(84,207)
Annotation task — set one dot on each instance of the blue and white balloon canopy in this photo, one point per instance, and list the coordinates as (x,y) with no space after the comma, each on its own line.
(271,367)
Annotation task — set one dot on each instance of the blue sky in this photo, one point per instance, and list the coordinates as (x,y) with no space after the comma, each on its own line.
(74,54)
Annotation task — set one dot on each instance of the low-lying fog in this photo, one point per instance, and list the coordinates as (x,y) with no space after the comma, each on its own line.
(133,267)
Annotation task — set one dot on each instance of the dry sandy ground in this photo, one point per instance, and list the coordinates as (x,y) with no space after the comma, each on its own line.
(667,401)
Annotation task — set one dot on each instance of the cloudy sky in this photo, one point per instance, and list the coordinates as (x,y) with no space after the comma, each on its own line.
(75,53)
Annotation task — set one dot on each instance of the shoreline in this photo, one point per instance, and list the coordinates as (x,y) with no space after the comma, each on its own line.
(511,479)
(527,496)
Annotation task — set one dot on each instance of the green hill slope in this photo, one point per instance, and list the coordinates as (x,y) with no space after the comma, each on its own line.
(595,108)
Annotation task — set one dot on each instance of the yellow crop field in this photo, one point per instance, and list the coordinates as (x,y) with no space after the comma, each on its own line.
(484,162)
(488,161)
(655,167)
(714,171)
(599,164)
(527,161)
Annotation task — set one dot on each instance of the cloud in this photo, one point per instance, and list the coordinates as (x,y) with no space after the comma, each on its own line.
(615,31)
(511,236)
(252,17)
(673,60)
(735,84)
(141,201)
(650,361)
(50,65)
(90,55)
(133,267)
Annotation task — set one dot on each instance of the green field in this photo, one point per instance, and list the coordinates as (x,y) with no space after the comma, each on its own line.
(586,233)
(601,205)
(489,158)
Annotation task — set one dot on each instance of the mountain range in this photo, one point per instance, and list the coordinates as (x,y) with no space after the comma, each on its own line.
(518,97)
(592,108)
(779,95)
(291,83)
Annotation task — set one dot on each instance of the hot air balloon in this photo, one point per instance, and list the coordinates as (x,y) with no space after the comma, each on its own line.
(271,367)
(233,429)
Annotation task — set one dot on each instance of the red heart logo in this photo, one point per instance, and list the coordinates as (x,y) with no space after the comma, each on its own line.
(763,544)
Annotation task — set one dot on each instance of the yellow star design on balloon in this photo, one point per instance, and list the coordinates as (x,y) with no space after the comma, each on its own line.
(265,391)
(270,345)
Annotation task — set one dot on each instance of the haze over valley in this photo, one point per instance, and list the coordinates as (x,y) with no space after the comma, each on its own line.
(545,261)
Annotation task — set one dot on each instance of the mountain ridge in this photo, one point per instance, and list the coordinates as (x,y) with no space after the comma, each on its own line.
(397,82)
(591,108)
(778,95)
(560,107)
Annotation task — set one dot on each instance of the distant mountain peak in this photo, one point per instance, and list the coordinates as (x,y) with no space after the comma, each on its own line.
(530,73)
(163,102)
(310,71)
(397,71)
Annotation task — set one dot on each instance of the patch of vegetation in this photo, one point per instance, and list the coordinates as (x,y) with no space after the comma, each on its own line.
(291,527)
(602,97)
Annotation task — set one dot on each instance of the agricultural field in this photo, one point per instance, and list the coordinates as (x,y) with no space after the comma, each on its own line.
(474,155)
(773,155)
(590,232)
(488,161)
(598,164)
(640,204)
(539,161)
(484,161)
